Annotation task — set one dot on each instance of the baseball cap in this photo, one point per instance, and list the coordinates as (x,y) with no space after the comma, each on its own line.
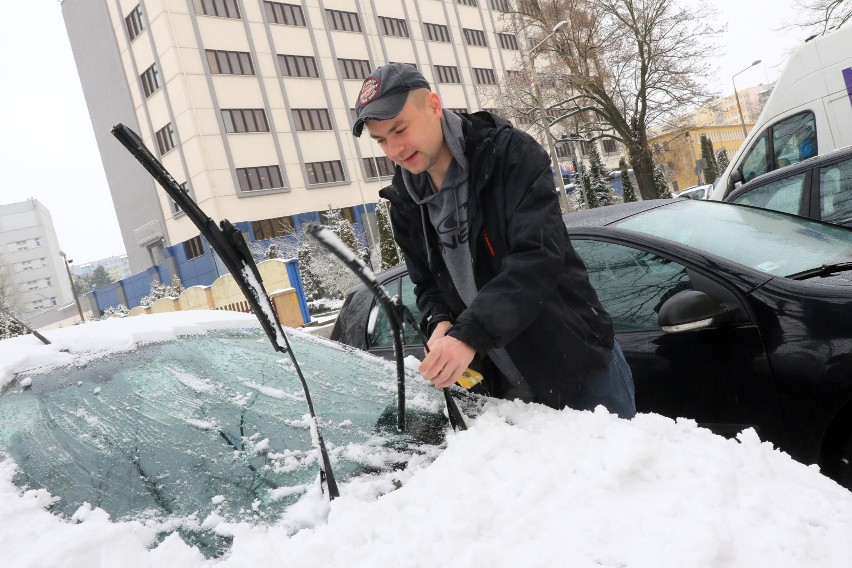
(384,92)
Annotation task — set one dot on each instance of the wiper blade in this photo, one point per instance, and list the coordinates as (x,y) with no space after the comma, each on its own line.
(824,270)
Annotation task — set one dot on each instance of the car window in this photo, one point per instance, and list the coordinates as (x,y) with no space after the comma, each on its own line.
(631,284)
(794,139)
(780,195)
(381,335)
(835,192)
(755,162)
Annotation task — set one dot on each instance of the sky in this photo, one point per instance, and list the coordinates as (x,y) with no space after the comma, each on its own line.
(49,151)
(525,485)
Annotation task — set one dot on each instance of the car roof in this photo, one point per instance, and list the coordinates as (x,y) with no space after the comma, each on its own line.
(602,216)
(796,168)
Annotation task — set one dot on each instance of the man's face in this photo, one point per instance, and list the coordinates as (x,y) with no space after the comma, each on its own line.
(413,138)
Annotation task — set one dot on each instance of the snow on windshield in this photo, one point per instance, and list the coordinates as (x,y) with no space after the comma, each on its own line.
(524,486)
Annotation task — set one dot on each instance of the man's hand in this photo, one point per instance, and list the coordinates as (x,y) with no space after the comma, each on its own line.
(447,359)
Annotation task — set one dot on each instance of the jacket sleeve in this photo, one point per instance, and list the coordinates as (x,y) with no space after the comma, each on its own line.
(530,272)
(408,234)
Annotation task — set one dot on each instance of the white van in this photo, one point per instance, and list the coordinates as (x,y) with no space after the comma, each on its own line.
(808,113)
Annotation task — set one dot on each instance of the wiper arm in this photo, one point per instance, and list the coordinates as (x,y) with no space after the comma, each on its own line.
(824,270)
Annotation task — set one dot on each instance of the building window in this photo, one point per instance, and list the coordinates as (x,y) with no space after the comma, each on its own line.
(272,228)
(260,177)
(500,5)
(378,167)
(298,66)
(507,41)
(458,110)
(484,76)
(467,2)
(447,74)
(562,150)
(324,172)
(220,8)
(474,37)
(166,139)
(311,119)
(193,248)
(437,32)
(229,62)
(609,146)
(393,26)
(355,68)
(150,80)
(343,21)
(245,120)
(287,14)
(134,23)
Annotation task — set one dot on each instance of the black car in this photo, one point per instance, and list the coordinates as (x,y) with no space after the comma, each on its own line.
(733,316)
(818,188)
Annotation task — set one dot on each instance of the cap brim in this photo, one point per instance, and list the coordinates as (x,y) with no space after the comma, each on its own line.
(380,109)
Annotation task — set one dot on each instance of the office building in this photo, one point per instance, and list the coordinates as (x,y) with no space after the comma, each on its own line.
(32,271)
(249,103)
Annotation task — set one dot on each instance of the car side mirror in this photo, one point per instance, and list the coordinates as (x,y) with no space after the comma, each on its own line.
(691,310)
(735,178)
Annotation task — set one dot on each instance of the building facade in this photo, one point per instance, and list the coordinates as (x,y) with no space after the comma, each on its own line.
(250,103)
(32,270)
(677,149)
(117,266)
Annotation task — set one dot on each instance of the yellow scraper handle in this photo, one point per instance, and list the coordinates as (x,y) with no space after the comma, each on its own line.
(469,379)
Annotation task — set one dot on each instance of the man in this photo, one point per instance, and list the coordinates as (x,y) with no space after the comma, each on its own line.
(475,212)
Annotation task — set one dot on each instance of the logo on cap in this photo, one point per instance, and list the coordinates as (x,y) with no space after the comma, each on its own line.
(369,90)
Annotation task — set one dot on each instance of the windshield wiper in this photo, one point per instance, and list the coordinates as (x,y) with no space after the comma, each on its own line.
(824,270)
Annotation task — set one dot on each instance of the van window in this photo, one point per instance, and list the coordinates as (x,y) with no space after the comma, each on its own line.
(755,162)
(835,192)
(792,140)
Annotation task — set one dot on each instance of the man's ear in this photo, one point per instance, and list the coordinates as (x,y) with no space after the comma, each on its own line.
(434,102)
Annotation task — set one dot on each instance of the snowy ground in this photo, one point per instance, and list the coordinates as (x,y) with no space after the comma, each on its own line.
(524,486)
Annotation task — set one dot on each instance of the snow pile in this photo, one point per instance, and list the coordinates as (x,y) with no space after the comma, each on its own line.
(524,486)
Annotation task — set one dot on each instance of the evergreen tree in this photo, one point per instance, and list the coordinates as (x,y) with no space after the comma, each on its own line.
(100,278)
(722,160)
(10,324)
(661,184)
(346,232)
(711,168)
(627,192)
(177,286)
(314,289)
(388,251)
(598,181)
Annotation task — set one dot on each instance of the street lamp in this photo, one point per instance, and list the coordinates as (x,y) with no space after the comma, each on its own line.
(554,159)
(737,96)
(73,288)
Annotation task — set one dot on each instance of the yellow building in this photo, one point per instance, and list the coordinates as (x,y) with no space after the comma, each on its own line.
(678,149)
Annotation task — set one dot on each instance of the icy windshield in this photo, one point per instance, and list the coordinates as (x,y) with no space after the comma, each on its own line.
(175,431)
(765,240)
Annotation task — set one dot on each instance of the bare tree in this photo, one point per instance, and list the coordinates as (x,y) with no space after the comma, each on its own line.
(822,16)
(618,68)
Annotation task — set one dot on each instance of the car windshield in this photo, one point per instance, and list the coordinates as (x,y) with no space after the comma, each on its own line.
(771,242)
(210,424)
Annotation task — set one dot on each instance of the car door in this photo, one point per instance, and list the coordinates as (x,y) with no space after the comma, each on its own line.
(719,377)
(380,339)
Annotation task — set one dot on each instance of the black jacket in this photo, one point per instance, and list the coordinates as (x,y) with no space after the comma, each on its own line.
(534,295)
